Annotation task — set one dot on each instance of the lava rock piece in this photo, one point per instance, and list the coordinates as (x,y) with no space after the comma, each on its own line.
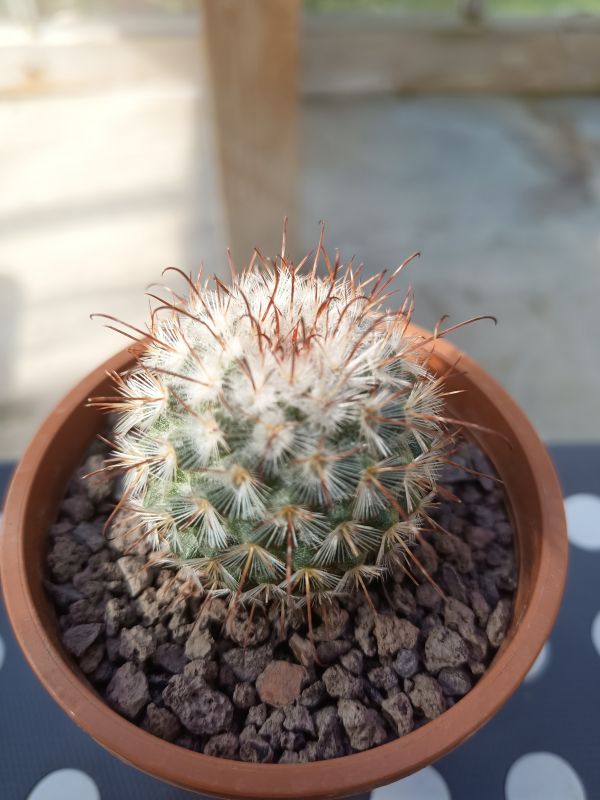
(103,672)
(454,682)
(148,607)
(117,614)
(428,557)
(477,667)
(78,508)
(90,660)
(406,663)
(90,534)
(426,695)
(112,649)
(383,678)
(498,622)
(189,742)
(477,646)
(364,726)
(95,481)
(247,664)
(272,728)
(248,732)
(222,745)
(91,588)
(444,648)
(280,683)
(63,594)
(331,740)
(393,634)
(207,670)
(398,709)
(298,718)
(247,631)
(459,617)
(226,678)
(353,661)
(293,620)
(257,715)
(257,750)
(504,532)
(128,691)
(313,695)
(333,625)
(82,611)
(482,515)
(290,757)
(124,538)
(66,558)
(454,550)
(170,656)
(453,583)
(161,722)
(136,644)
(428,597)
(311,751)
(330,652)
(214,612)
(135,573)
(290,740)
(404,602)
(200,709)
(480,538)
(78,638)
(364,624)
(244,696)
(62,528)
(200,643)
(506,576)
(480,606)
(303,649)
(373,695)
(341,683)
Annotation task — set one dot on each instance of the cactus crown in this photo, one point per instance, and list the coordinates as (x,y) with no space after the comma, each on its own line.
(280,436)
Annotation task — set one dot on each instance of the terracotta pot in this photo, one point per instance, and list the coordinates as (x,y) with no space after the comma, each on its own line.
(534,496)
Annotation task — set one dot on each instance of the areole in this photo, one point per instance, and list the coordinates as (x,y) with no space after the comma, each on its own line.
(535,502)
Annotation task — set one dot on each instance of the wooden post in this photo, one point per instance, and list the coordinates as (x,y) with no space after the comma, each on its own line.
(252,49)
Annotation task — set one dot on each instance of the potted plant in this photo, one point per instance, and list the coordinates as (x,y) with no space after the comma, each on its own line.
(337,545)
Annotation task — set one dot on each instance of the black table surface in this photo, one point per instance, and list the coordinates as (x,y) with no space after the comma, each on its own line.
(556,711)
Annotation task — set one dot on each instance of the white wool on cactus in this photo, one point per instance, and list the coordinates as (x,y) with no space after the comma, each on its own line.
(281,436)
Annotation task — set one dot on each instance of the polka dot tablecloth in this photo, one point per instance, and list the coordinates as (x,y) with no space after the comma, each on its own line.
(543,745)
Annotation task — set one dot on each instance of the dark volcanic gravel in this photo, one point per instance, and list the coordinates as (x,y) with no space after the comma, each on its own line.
(162,658)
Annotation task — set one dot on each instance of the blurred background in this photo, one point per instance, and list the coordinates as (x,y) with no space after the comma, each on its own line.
(151,133)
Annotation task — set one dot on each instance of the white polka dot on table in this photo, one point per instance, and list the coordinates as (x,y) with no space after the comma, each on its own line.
(596,632)
(543,776)
(427,784)
(583,520)
(540,665)
(65,784)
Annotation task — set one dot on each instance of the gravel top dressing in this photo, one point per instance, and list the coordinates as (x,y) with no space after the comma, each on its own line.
(254,687)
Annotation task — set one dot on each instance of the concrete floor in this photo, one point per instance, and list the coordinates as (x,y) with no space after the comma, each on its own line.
(502,197)
(101,191)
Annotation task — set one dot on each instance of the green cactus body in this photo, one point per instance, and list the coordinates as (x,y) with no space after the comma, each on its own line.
(280,436)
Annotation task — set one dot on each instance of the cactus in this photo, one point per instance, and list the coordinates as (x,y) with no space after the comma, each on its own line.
(280,436)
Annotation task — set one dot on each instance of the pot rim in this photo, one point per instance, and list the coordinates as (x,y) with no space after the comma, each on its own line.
(330,778)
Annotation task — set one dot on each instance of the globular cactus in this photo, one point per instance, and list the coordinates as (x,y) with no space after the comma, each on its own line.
(281,436)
